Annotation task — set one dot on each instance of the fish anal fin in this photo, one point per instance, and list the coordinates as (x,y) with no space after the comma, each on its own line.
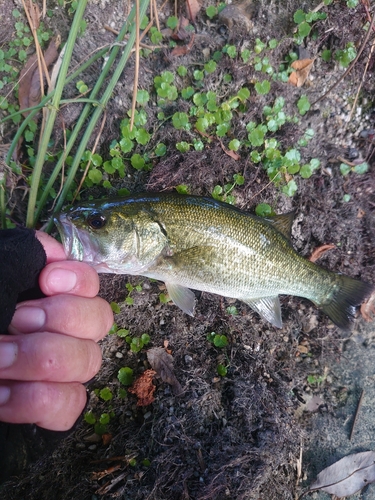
(268,308)
(183,297)
(283,223)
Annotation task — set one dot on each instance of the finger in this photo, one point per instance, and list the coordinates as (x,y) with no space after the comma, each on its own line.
(53,248)
(51,357)
(86,318)
(54,406)
(72,277)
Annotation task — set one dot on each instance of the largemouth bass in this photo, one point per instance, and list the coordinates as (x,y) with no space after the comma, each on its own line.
(199,243)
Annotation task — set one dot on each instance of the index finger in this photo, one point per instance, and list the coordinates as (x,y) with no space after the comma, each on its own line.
(54,250)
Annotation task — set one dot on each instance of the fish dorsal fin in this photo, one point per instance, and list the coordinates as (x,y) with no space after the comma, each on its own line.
(268,308)
(183,297)
(283,223)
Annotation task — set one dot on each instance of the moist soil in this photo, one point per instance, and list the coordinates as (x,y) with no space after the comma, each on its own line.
(285,408)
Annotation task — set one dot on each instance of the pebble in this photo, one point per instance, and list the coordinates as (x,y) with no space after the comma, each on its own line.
(188,359)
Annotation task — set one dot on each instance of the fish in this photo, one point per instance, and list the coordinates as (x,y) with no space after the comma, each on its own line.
(193,242)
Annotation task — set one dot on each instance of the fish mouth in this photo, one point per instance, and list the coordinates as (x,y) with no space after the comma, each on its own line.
(70,238)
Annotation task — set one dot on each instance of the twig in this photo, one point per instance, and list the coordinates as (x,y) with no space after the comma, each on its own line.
(347,162)
(136,69)
(93,151)
(111,484)
(366,6)
(356,414)
(299,467)
(352,64)
(362,81)
(266,186)
(124,458)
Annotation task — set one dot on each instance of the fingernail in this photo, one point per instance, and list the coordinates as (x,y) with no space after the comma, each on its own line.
(4,395)
(28,319)
(62,280)
(8,354)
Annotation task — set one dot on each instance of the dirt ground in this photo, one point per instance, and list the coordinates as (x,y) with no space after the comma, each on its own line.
(240,436)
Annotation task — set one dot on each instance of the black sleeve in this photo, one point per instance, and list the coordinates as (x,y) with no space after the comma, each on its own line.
(22,257)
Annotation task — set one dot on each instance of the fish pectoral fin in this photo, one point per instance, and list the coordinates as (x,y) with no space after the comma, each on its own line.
(183,297)
(268,308)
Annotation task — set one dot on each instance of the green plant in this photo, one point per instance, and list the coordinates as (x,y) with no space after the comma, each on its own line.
(223,193)
(347,55)
(125,376)
(263,87)
(130,288)
(100,424)
(304,21)
(303,104)
(164,299)
(105,394)
(217,340)
(316,379)
(361,168)
(211,11)
(164,88)
(137,343)
(232,310)
(263,210)
(222,370)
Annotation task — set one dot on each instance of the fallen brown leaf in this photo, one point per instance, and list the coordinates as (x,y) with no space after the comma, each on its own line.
(348,475)
(318,252)
(229,152)
(180,32)
(106,438)
(193,7)
(183,49)
(303,68)
(361,213)
(162,363)
(35,14)
(29,91)
(368,308)
(144,389)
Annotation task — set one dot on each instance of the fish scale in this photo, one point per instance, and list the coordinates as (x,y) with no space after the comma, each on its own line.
(200,243)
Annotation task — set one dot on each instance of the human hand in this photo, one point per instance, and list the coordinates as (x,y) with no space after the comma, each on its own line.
(52,348)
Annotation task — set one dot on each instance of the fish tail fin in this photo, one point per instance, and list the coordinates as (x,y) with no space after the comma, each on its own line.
(350,293)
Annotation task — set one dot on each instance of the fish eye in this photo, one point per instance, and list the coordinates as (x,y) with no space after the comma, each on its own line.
(96,221)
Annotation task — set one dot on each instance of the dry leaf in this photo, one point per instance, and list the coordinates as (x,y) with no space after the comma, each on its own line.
(180,32)
(183,49)
(35,14)
(318,252)
(361,213)
(193,7)
(162,363)
(229,152)
(314,403)
(348,475)
(302,67)
(29,91)
(144,389)
(106,438)
(368,308)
